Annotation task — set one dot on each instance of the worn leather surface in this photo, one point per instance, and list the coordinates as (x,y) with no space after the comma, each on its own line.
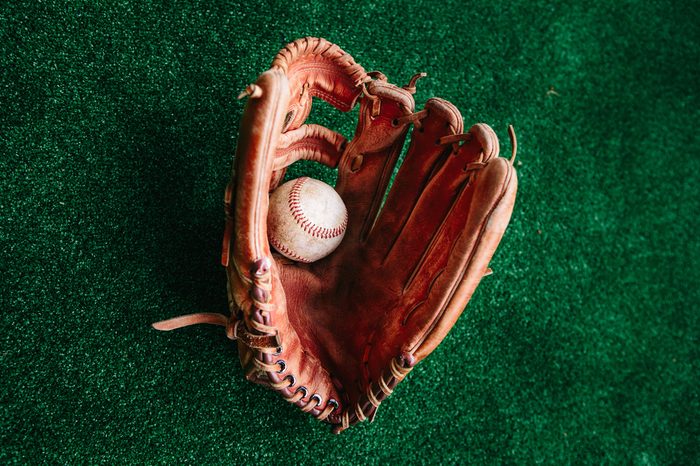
(336,335)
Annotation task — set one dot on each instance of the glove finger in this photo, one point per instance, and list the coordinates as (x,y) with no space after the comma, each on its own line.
(318,68)
(459,258)
(259,132)
(436,207)
(366,166)
(452,267)
(424,156)
(309,142)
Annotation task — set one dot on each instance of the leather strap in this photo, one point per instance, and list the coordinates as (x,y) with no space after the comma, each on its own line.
(213,318)
(235,329)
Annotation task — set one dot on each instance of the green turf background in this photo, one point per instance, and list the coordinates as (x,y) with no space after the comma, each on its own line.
(118,122)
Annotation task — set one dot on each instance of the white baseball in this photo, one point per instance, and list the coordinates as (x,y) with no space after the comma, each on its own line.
(306,220)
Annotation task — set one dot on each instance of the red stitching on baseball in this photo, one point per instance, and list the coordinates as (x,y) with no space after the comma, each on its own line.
(303,220)
(286,251)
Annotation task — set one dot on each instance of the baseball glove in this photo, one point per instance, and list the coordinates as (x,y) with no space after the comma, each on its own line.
(335,336)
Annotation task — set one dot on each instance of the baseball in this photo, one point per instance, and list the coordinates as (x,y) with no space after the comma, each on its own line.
(306,220)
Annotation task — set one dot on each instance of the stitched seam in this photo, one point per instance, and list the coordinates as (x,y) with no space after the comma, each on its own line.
(286,251)
(328,98)
(303,220)
(316,49)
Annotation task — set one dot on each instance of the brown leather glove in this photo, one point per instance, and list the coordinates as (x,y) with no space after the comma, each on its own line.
(334,337)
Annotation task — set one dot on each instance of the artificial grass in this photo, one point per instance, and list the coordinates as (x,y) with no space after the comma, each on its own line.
(117,127)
